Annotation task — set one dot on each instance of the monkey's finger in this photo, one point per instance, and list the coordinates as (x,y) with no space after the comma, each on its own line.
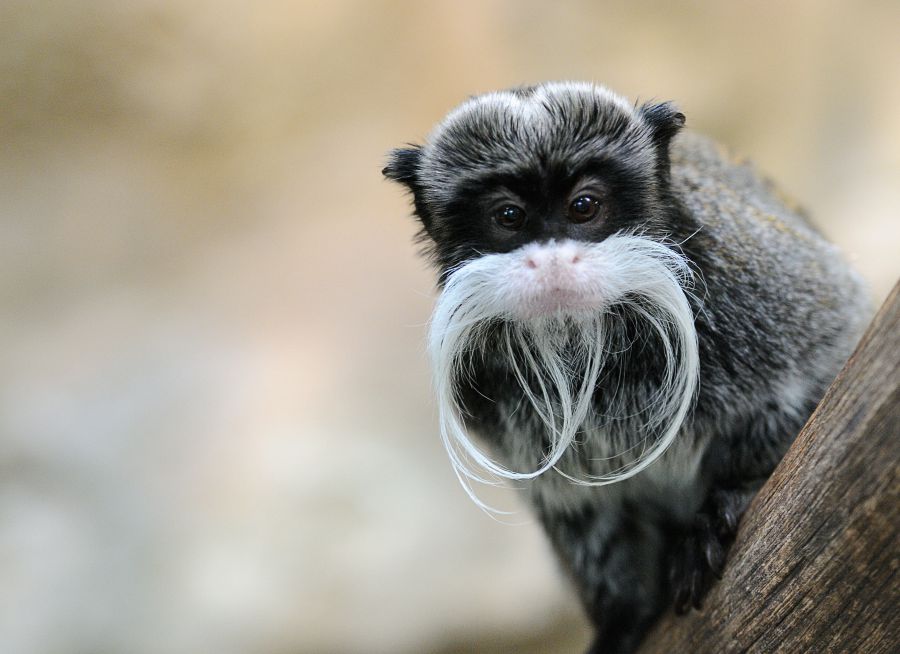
(715,556)
(697,588)
(682,603)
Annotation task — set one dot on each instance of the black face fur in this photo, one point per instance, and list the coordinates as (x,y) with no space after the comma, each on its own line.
(559,161)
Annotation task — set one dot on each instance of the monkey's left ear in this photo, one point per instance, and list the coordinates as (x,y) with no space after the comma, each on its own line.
(664,121)
(403,166)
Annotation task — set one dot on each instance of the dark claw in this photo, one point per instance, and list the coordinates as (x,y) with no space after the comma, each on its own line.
(715,556)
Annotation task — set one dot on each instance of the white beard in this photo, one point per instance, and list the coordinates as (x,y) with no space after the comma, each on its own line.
(553,304)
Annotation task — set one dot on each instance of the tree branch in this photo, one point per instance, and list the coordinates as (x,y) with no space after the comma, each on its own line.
(814,566)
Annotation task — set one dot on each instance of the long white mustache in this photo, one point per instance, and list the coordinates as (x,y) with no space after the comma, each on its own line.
(565,347)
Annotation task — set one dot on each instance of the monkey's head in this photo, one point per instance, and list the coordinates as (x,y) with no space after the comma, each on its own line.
(556,161)
(547,210)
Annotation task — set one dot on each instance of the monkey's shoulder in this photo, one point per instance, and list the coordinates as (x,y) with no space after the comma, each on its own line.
(759,254)
(728,195)
(777,298)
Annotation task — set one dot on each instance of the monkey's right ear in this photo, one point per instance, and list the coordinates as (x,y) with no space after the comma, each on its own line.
(403,166)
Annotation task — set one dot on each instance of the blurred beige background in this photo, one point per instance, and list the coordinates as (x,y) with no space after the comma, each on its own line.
(216,432)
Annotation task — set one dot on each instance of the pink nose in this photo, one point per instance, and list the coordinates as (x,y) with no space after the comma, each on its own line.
(553,256)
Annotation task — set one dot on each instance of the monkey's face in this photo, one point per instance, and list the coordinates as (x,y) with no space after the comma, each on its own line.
(545,210)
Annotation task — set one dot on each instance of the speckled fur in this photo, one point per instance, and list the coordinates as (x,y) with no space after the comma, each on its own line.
(777,313)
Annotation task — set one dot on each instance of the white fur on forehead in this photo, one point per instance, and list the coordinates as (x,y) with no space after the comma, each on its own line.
(530,102)
(525,125)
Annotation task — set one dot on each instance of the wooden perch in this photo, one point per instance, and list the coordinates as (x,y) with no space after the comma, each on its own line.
(814,566)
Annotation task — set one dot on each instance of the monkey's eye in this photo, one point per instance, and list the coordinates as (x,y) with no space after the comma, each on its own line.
(510,216)
(584,208)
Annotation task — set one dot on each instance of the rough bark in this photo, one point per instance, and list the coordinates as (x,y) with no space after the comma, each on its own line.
(814,566)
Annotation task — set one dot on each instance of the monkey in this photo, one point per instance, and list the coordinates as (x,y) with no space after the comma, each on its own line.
(631,325)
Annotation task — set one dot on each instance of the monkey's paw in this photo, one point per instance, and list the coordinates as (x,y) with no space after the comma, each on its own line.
(696,561)
(698,556)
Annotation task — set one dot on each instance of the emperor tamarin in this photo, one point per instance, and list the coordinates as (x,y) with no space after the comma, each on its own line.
(633,326)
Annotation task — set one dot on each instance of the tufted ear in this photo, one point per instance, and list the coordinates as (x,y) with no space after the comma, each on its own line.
(663,119)
(403,166)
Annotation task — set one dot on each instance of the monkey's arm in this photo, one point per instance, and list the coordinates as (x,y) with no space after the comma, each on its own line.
(611,554)
(735,466)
